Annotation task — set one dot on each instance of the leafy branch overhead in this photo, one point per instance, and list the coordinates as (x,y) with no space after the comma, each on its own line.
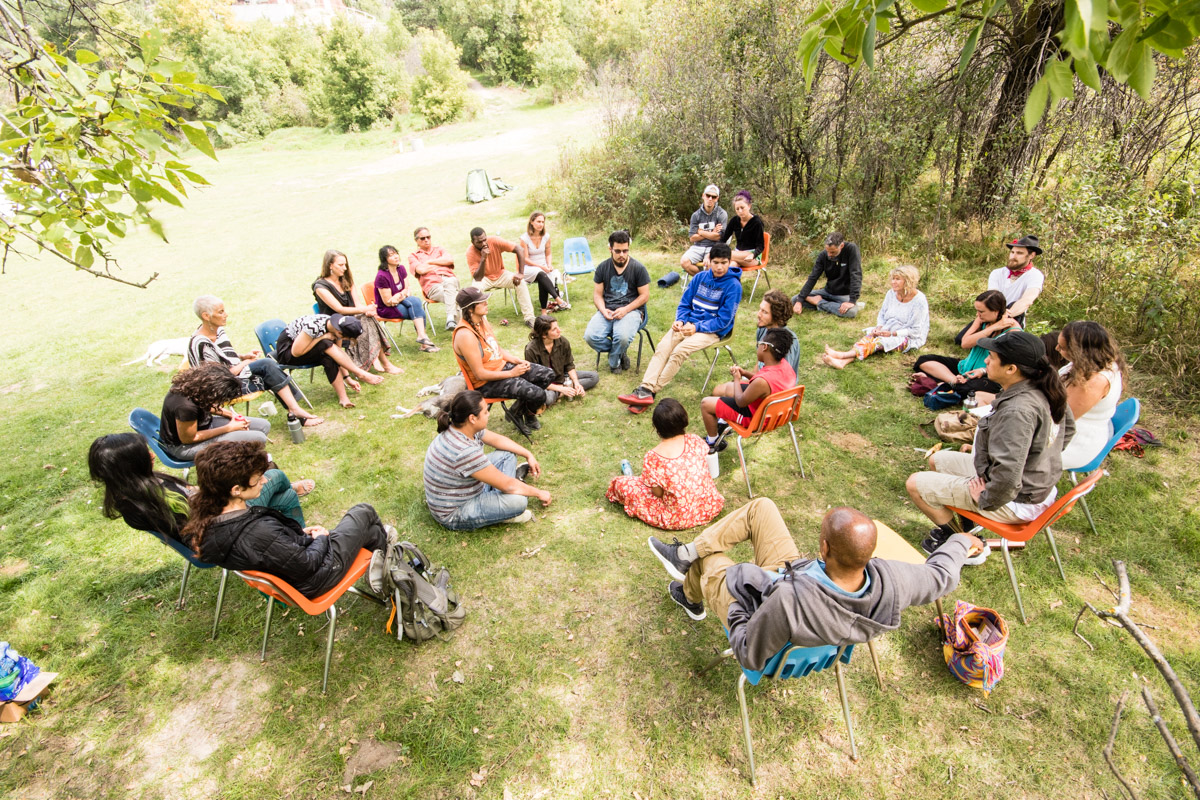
(1120,37)
(91,144)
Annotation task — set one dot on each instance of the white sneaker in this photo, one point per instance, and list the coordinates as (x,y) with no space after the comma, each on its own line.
(524,516)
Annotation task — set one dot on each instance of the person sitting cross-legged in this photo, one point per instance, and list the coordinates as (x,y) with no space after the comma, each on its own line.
(969,375)
(547,346)
(902,324)
(466,489)
(705,316)
(841,264)
(737,400)
(844,596)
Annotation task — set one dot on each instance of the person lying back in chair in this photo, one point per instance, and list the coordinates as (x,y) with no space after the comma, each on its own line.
(842,597)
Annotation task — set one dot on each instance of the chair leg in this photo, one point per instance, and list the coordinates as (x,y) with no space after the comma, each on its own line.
(741,693)
(727,653)
(187,571)
(262,654)
(1054,550)
(713,365)
(1083,501)
(220,602)
(329,646)
(745,472)
(639,360)
(429,326)
(796,445)
(841,682)
(875,662)
(757,275)
(1012,576)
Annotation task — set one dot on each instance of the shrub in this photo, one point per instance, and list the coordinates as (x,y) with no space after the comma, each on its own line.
(355,87)
(441,94)
(557,66)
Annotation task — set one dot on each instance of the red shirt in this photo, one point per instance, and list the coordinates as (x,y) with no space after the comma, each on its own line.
(779,377)
(432,278)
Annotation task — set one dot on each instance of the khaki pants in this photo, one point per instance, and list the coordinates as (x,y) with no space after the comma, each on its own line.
(446,292)
(510,280)
(761,523)
(672,351)
(948,486)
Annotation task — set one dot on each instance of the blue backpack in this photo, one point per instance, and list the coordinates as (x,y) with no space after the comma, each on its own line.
(941,397)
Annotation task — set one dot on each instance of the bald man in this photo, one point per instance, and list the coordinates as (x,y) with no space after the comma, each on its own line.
(843,597)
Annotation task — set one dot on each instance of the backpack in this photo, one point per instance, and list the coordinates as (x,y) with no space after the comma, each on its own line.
(941,397)
(418,592)
(973,644)
(921,384)
(956,427)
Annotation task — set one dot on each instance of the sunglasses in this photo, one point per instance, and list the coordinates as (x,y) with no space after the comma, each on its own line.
(713,196)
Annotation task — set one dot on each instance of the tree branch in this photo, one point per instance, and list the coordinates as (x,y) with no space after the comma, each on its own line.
(1180,759)
(1108,748)
(90,270)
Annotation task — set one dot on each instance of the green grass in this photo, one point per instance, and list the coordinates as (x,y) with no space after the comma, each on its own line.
(579,672)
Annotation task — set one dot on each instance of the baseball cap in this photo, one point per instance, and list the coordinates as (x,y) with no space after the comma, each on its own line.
(347,326)
(1018,347)
(712,189)
(469,297)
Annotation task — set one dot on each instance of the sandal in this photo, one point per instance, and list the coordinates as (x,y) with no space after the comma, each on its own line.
(311,422)
(428,346)
(304,487)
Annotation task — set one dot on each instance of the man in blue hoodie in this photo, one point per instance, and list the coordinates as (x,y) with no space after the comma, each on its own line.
(704,317)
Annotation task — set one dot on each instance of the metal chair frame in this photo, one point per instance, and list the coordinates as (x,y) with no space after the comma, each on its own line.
(764,416)
(368,293)
(268,349)
(641,332)
(189,561)
(1125,417)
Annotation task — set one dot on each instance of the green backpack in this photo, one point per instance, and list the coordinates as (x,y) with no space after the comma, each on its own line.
(418,592)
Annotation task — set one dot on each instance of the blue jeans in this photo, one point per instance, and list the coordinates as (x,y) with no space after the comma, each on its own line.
(491,505)
(408,308)
(277,493)
(832,303)
(265,372)
(614,336)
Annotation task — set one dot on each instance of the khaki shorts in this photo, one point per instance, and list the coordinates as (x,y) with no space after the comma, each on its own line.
(948,486)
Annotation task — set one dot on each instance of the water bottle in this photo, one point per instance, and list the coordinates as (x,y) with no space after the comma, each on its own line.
(296,429)
(714,465)
(626,469)
(970,402)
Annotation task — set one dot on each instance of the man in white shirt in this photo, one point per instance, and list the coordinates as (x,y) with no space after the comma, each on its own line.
(1020,282)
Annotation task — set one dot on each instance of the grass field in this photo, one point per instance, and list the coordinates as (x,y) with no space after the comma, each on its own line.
(578,673)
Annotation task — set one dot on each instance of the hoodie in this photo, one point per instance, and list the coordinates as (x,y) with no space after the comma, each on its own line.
(768,613)
(710,303)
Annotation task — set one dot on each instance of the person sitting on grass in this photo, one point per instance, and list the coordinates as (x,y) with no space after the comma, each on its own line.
(493,371)
(841,264)
(1011,474)
(968,375)
(210,342)
(705,316)
(318,339)
(158,503)
(393,300)
(675,490)
(193,413)
(548,347)
(902,323)
(227,530)
(842,597)
(336,293)
(466,489)
(737,400)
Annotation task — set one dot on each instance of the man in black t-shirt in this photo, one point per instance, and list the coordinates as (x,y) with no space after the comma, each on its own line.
(622,289)
(841,264)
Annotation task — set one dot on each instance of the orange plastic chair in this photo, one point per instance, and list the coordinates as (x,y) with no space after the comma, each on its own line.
(761,268)
(1011,532)
(281,590)
(368,293)
(775,411)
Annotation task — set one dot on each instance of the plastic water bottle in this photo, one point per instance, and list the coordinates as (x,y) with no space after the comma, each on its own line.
(626,468)
(296,429)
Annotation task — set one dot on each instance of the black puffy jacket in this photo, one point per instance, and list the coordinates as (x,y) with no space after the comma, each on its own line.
(262,539)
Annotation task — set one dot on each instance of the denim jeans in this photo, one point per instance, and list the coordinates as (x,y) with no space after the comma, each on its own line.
(277,493)
(832,303)
(491,505)
(614,336)
(265,374)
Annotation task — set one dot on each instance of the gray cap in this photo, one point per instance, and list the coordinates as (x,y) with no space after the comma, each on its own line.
(712,189)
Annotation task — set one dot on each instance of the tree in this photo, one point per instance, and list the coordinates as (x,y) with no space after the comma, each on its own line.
(557,66)
(441,94)
(86,135)
(354,79)
(1040,47)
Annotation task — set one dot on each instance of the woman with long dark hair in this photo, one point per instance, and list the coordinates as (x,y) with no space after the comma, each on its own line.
(466,489)
(968,375)
(156,502)
(193,413)
(336,293)
(1094,379)
(547,346)
(1011,474)
(745,228)
(226,528)
(392,298)
(538,266)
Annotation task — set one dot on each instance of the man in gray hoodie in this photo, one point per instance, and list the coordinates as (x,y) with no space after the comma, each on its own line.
(843,597)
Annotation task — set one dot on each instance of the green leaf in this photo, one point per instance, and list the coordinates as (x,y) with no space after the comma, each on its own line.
(10,145)
(1141,78)
(969,49)
(163,194)
(149,140)
(1125,53)
(929,6)
(1035,104)
(198,136)
(868,44)
(157,227)
(1171,38)
(86,57)
(820,12)
(84,256)
(141,191)
(194,177)
(77,77)
(1087,71)
(1084,8)
(1062,81)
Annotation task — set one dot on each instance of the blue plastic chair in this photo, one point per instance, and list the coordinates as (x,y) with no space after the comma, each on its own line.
(268,334)
(1124,418)
(643,333)
(190,560)
(148,425)
(576,260)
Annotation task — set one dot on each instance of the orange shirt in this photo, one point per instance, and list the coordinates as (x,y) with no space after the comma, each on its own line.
(490,348)
(497,247)
(432,278)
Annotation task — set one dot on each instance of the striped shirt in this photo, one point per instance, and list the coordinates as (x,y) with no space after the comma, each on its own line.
(314,325)
(201,349)
(450,461)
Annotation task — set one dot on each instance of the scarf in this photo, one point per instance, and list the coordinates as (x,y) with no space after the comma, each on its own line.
(1016,273)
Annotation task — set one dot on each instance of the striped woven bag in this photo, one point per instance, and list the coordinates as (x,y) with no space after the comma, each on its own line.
(974,639)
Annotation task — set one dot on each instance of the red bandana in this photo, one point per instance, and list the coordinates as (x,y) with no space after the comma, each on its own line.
(1016,273)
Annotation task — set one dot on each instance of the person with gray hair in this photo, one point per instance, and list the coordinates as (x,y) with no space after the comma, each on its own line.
(211,343)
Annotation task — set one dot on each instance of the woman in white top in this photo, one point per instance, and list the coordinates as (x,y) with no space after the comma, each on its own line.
(538,267)
(1094,380)
(902,324)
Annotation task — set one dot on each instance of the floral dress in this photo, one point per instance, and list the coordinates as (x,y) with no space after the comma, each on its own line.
(690,497)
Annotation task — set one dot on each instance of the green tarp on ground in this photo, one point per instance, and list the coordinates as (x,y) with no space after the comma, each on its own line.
(480,187)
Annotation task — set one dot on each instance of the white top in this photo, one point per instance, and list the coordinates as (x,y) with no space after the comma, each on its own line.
(535,256)
(909,320)
(1093,429)
(1014,288)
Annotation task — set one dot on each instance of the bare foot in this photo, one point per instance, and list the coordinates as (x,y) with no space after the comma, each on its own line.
(392,369)
(303,487)
(346,403)
(371,379)
(836,363)
(310,421)
(353,384)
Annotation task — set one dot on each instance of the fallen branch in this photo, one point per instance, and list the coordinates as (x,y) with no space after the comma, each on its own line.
(1108,748)
(1172,746)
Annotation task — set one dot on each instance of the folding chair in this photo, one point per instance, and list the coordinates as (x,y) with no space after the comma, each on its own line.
(642,331)
(760,270)
(1124,418)
(577,260)
(268,334)
(190,561)
(774,411)
(278,589)
(148,425)
(1023,532)
(462,368)
(368,293)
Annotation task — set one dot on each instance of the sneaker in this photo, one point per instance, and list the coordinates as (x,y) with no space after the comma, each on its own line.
(522,472)
(641,396)
(979,557)
(936,538)
(517,421)
(617,370)
(721,443)
(668,554)
(694,610)
(532,422)
(624,361)
(451,325)
(524,516)
(529,323)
